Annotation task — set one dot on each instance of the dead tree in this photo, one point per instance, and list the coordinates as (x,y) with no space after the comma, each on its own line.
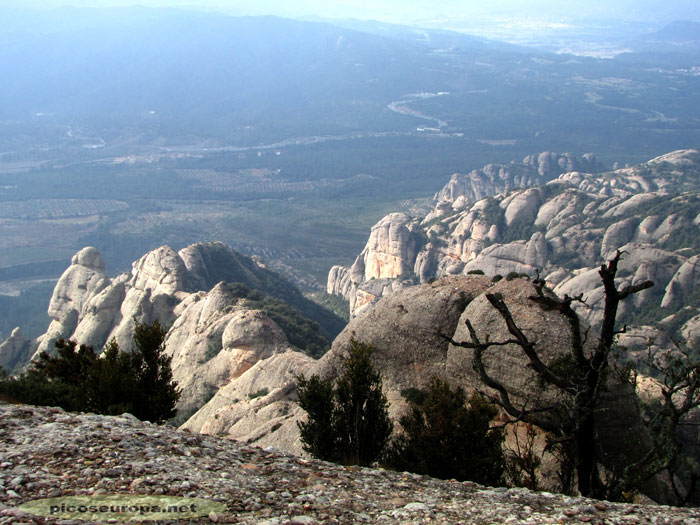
(677,373)
(582,383)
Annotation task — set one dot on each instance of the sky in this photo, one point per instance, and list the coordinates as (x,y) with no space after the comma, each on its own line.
(416,11)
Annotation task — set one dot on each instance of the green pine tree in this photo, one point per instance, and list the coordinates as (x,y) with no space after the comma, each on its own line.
(449,437)
(347,422)
(77,379)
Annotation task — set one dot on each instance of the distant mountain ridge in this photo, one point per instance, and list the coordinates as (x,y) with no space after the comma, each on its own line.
(678,31)
(129,78)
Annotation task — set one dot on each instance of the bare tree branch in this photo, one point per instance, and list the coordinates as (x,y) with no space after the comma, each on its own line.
(527,346)
(632,289)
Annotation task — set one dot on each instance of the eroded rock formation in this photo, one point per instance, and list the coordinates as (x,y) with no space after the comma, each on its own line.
(410,331)
(213,336)
(564,230)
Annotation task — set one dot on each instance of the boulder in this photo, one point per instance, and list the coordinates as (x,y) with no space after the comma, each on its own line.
(508,364)
(522,207)
(522,257)
(407,330)
(259,406)
(616,236)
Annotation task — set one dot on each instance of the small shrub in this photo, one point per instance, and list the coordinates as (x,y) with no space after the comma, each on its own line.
(475,272)
(139,382)
(259,393)
(414,395)
(449,437)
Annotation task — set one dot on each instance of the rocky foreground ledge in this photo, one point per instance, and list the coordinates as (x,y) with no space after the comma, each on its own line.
(46,452)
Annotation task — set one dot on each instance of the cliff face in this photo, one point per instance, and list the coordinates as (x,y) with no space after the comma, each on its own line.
(564,229)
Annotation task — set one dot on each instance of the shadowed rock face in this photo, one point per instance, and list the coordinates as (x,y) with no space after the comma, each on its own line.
(565,230)
(14,351)
(408,330)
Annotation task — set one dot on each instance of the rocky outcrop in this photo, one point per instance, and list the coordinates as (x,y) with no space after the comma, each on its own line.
(498,178)
(214,340)
(84,278)
(684,282)
(564,230)
(259,406)
(618,414)
(389,254)
(391,249)
(132,459)
(102,308)
(691,331)
(15,351)
(521,257)
(410,331)
(508,364)
(407,330)
(213,335)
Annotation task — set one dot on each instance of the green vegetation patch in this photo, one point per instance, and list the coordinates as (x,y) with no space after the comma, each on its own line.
(301,332)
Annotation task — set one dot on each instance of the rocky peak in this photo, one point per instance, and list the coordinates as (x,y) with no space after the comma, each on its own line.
(83,278)
(562,229)
(390,250)
(213,335)
(533,170)
(90,258)
(162,271)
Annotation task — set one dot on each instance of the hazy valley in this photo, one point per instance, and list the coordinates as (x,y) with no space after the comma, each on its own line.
(295,171)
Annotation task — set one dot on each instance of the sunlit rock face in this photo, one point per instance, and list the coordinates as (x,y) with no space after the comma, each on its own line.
(212,336)
(563,230)
(214,340)
(83,279)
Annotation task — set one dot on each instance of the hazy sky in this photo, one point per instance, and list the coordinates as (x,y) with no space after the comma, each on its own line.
(403,11)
